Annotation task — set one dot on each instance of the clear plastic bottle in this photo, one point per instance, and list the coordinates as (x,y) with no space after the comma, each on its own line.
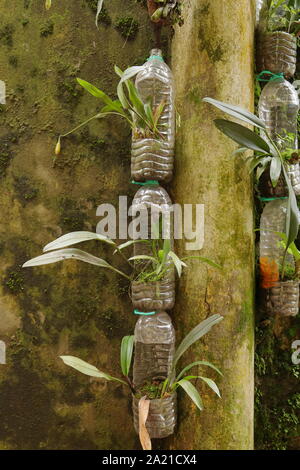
(153,158)
(277,52)
(276,49)
(283,299)
(153,295)
(278,108)
(271,250)
(154,337)
(162,416)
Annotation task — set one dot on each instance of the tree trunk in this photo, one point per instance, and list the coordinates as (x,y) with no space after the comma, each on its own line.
(212,55)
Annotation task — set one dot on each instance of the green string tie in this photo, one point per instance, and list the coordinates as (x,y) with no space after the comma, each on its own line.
(157,57)
(272,76)
(266,199)
(146,183)
(137,312)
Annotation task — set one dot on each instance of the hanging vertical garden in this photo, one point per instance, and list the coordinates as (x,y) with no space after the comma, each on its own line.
(132,161)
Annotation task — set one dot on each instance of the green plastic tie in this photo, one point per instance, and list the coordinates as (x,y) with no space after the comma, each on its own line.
(266,199)
(137,312)
(157,57)
(272,76)
(146,183)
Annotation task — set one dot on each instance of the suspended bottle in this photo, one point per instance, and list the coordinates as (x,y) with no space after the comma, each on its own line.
(153,157)
(154,337)
(271,249)
(277,52)
(278,109)
(276,49)
(160,294)
(283,299)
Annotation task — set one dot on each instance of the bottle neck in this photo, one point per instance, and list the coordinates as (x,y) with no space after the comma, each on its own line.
(156,54)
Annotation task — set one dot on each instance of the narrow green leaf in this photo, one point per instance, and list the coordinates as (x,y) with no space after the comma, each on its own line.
(204,260)
(237,112)
(87,369)
(76,237)
(254,162)
(292,217)
(211,384)
(197,363)
(126,354)
(177,263)
(242,135)
(263,165)
(275,170)
(143,257)
(98,93)
(70,253)
(192,392)
(194,335)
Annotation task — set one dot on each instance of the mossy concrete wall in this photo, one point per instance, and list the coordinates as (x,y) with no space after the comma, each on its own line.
(77,309)
(212,55)
(68,308)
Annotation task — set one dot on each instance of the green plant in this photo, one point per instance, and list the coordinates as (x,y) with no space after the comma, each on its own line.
(153,268)
(266,154)
(289,154)
(125,362)
(142,117)
(48,4)
(284,15)
(173,381)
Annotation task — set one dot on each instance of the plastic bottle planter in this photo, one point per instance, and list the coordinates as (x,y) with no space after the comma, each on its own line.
(160,295)
(162,416)
(154,348)
(153,158)
(283,299)
(273,219)
(278,108)
(152,296)
(277,52)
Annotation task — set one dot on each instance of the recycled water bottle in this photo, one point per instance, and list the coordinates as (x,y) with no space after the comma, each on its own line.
(154,337)
(278,109)
(271,248)
(276,49)
(152,156)
(150,295)
(162,416)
